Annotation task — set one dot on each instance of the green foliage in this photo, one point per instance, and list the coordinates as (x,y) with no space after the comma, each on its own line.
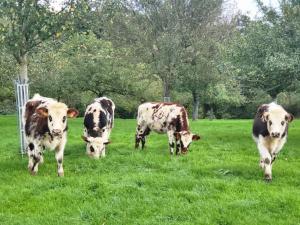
(7,94)
(141,50)
(265,54)
(291,101)
(87,66)
(24,25)
(217,182)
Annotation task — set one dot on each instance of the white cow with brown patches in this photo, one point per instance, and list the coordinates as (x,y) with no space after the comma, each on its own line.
(45,122)
(163,117)
(270,130)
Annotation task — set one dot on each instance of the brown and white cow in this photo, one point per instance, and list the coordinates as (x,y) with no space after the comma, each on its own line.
(270,130)
(98,123)
(163,117)
(45,122)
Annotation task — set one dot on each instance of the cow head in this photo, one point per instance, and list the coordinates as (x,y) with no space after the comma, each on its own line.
(56,114)
(185,139)
(95,146)
(277,119)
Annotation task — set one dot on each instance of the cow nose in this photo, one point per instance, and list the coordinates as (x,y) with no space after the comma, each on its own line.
(275,134)
(56,131)
(184,150)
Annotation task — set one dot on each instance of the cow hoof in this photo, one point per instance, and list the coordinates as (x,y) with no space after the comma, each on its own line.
(60,174)
(268,178)
(32,172)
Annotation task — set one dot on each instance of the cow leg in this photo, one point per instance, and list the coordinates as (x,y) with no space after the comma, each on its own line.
(143,142)
(35,157)
(177,147)
(265,160)
(277,149)
(108,133)
(103,152)
(171,142)
(146,133)
(137,141)
(59,156)
(140,136)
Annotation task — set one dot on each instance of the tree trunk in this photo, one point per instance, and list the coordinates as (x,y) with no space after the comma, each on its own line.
(23,76)
(166,91)
(196,102)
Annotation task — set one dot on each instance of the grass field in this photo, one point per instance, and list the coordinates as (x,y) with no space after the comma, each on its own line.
(218,182)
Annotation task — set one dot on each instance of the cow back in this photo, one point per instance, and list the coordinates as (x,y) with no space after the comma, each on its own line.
(98,115)
(162,116)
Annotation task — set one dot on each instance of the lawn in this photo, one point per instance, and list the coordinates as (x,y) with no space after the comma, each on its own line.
(217,182)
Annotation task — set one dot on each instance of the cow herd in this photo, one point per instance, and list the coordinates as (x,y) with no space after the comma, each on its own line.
(45,124)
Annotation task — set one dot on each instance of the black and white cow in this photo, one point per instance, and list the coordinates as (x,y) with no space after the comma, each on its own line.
(98,123)
(270,130)
(45,122)
(163,117)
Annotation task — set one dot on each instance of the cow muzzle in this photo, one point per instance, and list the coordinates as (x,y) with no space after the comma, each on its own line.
(275,134)
(56,132)
(184,150)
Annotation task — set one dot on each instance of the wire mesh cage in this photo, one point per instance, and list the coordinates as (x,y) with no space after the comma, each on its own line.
(167,99)
(22,95)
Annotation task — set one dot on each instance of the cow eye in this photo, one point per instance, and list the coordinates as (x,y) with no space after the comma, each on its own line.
(282,123)
(103,130)
(270,122)
(64,119)
(50,118)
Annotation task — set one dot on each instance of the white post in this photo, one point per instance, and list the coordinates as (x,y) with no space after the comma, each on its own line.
(22,95)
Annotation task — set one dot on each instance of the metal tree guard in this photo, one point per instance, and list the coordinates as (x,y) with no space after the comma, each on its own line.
(167,99)
(22,95)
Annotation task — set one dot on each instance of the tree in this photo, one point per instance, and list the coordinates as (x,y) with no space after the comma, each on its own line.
(157,38)
(100,68)
(200,31)
(264,54)
(7,95)
(25,24)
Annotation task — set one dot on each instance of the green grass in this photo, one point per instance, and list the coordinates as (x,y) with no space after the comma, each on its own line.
(218,182)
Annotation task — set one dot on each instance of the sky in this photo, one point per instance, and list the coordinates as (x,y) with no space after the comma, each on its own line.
(248,7)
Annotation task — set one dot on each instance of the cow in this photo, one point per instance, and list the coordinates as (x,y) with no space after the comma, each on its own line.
(163,117)
(270,131)
(45,124)
(98,123)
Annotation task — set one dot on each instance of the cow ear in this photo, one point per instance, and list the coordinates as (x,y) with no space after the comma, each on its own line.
(195,137)
(43,112)
(72,113)
(177,135)
(108,142)
(85,138)
(265,117)
(262,112)
(289,117)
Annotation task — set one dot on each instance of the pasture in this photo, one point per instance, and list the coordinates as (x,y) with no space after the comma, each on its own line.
(217,182)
